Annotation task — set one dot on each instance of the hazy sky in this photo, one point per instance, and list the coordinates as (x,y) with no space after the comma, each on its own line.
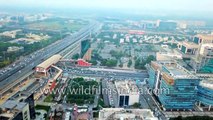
(173,5)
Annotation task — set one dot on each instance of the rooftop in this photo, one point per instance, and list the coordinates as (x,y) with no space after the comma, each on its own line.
(207,84)
(168,55)
(52,60)
(126,87)
(190,44)
(173,69)
(20,95)
(11,104)
(121,113)
(205,37)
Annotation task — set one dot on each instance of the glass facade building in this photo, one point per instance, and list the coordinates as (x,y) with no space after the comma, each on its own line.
(205,93)
(152,76)
(177,87)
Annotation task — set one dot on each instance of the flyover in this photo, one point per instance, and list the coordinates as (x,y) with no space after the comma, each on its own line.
(25,67)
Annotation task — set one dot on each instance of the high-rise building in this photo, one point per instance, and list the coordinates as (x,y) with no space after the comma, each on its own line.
(174,86)
(205,94)
(85,45)
(203,56)
(167,25)
(26,98)
(202,39)
(13,110)
(127,93)
(188,48)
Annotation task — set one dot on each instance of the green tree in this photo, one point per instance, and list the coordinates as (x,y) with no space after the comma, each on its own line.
(129,63)
(75,56)
(136,105)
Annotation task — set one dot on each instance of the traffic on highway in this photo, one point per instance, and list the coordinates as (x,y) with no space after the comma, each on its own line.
(26,64)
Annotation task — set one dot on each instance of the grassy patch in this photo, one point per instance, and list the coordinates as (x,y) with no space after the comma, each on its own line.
(42,107)
(49,98)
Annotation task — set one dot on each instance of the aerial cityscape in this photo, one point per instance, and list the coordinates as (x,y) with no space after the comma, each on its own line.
(106,60)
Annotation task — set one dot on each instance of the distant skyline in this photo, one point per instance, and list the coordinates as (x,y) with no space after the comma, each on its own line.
(199,9)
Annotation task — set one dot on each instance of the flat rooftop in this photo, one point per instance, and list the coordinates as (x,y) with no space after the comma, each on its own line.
(190,44)
(126,87)
(174,69)
(20,95)
(205,37)
(118,113)
(207,84)
(11,104)
(50,61)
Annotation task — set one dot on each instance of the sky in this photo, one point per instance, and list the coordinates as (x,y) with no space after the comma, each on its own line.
(172,5)
(195,8)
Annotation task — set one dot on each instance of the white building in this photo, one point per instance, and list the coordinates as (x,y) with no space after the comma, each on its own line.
(126,114)
(127,93)
(168,56)
(14,49)
(121,40)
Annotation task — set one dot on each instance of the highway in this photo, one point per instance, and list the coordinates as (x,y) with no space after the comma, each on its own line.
(27,64)
(106,73)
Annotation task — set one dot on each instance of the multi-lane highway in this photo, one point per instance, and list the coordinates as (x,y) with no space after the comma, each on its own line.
(106,73)
(26,65)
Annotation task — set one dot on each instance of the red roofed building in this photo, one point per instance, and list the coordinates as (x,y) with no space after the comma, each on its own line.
(83,63)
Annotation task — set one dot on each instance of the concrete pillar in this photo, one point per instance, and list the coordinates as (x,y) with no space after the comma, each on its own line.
(209,107)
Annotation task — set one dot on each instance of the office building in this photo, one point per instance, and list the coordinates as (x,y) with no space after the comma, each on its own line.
(174,86)
(203,57)
(85,49)
(202,39)
(127,93)
(13,110)
(167,25)
(188,48)
(205,94)
(28,98)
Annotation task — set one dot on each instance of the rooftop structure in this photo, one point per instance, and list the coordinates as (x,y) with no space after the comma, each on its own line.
(11,104)
(126,87)
(189,44)
(173,69)
(122,114)
(168,56)
(52,60)
(189,48)
(13,110)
